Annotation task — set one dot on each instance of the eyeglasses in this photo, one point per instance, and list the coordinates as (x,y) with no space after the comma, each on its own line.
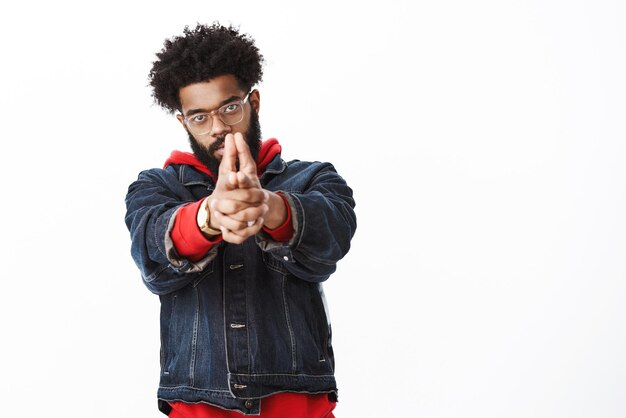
(231,114)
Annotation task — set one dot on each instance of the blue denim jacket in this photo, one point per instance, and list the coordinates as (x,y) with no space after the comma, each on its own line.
(247,320)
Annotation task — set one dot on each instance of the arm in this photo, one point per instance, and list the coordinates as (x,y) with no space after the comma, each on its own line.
(152,203)
(324,222)
(321,208)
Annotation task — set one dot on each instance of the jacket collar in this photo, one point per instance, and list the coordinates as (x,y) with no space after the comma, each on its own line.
(189,175)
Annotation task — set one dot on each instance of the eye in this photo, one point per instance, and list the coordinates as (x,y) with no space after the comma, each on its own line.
(198,119)
(230,108)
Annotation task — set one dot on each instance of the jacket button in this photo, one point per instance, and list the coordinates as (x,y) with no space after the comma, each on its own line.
(249,404)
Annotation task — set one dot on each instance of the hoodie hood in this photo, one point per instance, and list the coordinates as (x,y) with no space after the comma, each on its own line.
(269,149)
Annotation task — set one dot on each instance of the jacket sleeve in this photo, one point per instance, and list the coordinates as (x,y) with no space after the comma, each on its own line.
(324,223)
(152,203)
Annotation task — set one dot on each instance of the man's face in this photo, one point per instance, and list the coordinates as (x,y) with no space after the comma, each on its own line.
(209,96)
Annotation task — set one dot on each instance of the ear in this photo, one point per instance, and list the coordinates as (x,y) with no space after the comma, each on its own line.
(255,100)
(180,119)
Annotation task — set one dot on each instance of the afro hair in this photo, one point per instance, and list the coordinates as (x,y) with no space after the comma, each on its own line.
(201,54)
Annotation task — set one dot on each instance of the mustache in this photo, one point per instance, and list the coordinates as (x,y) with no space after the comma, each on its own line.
(219,141)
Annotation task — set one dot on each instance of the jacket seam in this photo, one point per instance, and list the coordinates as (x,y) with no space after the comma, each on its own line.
(194,339)
(155,275)
(289,326)
(193,387)
(320,376)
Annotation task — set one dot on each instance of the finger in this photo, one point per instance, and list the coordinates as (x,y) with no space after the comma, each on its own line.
(237,200)
(237,237)
(246,162)
(229,158)
(239,220)
(226,182)
(224,220)
(247,214)
(233,180)
(246,181)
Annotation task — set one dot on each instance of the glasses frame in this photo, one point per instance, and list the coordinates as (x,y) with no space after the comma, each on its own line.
(212,113)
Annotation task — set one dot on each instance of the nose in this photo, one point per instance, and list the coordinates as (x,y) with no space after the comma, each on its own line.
(218,127)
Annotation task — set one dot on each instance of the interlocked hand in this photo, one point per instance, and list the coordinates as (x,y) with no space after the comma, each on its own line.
(238,202)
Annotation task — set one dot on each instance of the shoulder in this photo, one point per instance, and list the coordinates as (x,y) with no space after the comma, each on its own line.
(309,166)
(159,174)
(176,173)
(300,175)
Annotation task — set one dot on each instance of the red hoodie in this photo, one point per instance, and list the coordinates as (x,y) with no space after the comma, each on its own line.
(280,405)
(188,240)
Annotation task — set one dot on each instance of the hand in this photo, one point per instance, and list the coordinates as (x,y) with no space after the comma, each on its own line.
(238,203)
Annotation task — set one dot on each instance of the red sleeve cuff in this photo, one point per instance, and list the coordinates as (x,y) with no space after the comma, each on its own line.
(285,231)
(188,240)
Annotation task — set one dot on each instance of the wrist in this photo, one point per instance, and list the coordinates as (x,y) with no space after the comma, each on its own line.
(277,213)
(203,219)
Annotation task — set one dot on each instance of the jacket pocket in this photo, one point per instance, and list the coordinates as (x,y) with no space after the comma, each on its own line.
(308,319)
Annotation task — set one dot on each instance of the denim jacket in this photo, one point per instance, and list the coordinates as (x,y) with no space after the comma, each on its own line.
(249,320)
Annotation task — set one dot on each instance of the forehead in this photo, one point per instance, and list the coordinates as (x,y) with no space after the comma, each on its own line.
(210,94)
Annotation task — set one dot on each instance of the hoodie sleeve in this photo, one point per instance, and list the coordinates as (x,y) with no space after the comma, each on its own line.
(187,238)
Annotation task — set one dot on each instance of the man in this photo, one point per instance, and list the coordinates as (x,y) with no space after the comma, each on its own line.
(236,242)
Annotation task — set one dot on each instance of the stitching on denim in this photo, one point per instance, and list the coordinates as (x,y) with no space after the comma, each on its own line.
(196,183)
(318,260)
(273,264)
(317,376)
(328,334)
(194,340)
(206,271)
(224,319)
(157,273)
(170,334)
(192,387)
(288,319)
(162,353)
(247,328)
(182,174)
(157,241)
(169,243)
(282,168)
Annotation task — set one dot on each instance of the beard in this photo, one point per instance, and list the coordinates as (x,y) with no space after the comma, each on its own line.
(206,155)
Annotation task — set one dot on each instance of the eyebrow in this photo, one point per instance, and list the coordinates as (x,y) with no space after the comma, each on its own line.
(222,103)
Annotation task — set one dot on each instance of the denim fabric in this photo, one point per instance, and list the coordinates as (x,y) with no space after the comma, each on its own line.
(247,320)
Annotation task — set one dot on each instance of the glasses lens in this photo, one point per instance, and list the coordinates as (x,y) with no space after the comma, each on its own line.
(201,123)
(231,113)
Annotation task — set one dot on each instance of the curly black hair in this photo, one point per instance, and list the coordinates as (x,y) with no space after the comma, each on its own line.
(201,54)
